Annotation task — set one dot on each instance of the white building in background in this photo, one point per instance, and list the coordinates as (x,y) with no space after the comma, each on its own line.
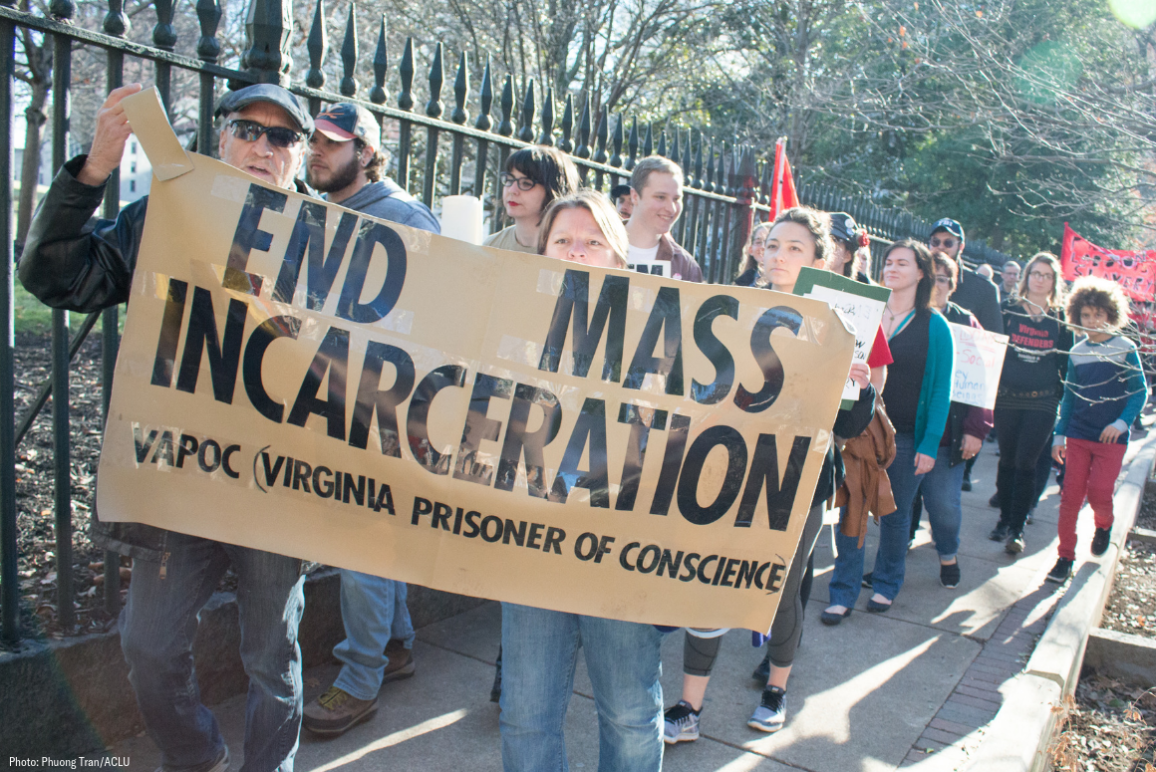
(136,173)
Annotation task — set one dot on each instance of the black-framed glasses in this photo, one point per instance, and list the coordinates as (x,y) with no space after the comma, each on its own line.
(945,243)
(1042,275)
(944,281)
(523,183)
(251,131)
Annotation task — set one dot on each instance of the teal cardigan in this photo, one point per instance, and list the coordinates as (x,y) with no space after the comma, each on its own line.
(935,394)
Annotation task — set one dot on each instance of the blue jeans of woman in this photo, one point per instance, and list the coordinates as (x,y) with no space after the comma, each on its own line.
(373,611)
(539,655)
(157,628)
(942,496)
(891,555)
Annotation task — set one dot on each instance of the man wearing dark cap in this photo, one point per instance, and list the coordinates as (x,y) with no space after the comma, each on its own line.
(346,164)
(974,293)
(70,266)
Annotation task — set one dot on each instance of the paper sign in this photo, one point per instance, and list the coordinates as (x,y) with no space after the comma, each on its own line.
(979,358)
(861,306)
(304,379)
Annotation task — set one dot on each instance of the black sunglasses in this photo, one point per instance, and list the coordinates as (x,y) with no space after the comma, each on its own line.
(251,131)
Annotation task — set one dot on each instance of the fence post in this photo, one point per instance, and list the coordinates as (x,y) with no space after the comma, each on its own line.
(61,79)
(566,145)
(744,205)
(317,46)
(483,124)
(433,109)
(116,24)
(267,27)
(459,116)
(349,56)
(405,103)
(547,136)
(9,581)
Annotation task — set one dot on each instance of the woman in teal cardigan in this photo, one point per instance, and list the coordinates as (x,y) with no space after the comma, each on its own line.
(918,397)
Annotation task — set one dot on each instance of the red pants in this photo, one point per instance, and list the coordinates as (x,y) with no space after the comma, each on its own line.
(1090,469)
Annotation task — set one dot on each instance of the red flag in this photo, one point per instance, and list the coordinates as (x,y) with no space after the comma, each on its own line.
(783,195)
(1135,272)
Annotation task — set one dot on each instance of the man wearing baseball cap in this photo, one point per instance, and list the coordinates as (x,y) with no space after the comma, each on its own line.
(346,164)
(67,265)
(974,293)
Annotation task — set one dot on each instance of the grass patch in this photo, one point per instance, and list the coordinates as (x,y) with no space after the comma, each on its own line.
(34,318)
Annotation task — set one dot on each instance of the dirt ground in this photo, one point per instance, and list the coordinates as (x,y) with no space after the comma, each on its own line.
(1110,726)
(35,492)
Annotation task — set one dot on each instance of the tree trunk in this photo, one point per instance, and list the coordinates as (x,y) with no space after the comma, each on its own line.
(35,118)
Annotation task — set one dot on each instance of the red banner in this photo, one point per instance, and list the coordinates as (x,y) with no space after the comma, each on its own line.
(783,195)
(1135,272)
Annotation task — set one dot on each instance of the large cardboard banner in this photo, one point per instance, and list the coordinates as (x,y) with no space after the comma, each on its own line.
(301,378)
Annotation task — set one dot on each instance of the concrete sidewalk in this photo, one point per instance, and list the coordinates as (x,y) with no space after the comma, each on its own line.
(880,691)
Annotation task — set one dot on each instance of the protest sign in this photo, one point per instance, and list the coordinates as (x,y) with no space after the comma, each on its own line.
(979,358)
(860,304)
(308,380)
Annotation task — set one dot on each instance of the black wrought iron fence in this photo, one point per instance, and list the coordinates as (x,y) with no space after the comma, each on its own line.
(727,185)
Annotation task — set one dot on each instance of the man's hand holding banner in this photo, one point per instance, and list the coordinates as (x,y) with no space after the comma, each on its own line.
(304,379)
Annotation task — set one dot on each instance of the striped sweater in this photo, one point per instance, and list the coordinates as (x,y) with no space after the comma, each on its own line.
(1105,386)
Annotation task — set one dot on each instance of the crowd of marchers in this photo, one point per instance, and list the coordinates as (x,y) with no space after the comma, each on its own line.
(1070,391)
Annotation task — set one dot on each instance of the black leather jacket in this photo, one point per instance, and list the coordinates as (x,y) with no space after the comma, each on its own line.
(74,262)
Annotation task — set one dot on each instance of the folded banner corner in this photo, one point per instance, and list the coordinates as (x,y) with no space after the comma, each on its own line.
(149,121)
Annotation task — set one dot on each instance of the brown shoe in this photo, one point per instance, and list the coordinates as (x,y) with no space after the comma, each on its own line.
(401,663)
(337,711)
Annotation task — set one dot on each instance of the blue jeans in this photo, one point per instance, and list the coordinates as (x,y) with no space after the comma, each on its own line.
(373,611)
(539,654)
(942,496)
(894,533)
(157,628)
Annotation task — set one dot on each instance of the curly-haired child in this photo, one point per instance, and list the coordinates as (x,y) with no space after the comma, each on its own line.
(1104,393)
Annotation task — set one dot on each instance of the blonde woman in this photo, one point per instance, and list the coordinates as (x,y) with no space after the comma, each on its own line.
(1030,388)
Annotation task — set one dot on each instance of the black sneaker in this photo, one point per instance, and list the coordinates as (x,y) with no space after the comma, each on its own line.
(966,486)
(1100,541)
(1014,544)
(867,580)
(994,500)
(680,724)
(771,712)
(1060,571)
(763,671)
(999,533)
(949,575)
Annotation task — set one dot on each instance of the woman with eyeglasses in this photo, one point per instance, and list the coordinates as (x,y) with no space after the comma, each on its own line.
(541,647)
(753,255)
(1030,388)
(533,178)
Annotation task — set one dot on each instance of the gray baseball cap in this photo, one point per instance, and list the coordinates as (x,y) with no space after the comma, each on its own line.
(266,92)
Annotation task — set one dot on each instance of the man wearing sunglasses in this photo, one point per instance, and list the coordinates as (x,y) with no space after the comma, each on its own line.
(71,266)
(974,293)
(346,164)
